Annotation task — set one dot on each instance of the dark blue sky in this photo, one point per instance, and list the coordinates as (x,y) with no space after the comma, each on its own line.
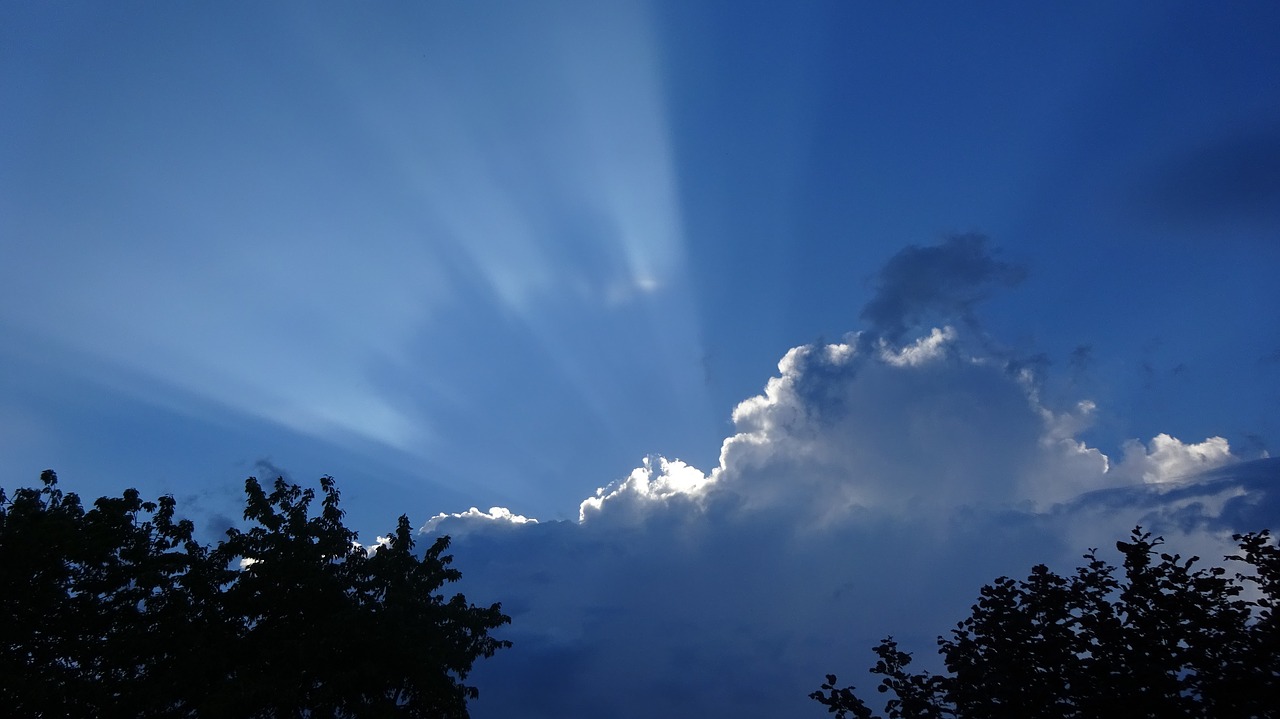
(497,254)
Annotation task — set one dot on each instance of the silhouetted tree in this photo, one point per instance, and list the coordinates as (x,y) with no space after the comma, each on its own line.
(1164,639)
(117,611)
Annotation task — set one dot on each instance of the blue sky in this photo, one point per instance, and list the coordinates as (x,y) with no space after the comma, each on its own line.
(510,254)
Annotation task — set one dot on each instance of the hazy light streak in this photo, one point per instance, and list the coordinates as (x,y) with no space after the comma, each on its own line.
(556,184)
(275,282)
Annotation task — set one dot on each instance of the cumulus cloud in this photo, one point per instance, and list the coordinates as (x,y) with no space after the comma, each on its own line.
(901,429)
(656,480)
(872,487)
(922,427)
(1166,459)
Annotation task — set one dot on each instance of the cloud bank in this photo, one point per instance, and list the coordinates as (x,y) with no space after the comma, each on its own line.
(871,488)
(862,493)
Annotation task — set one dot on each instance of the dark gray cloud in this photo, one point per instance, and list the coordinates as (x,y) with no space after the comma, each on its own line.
(1241,497)
(268,471)
(1034,365)
(1080,360)
(939,283)
(722,616)
(1257,443)
(740,616)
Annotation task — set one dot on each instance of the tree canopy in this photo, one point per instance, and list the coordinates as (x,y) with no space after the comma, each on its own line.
(116,610)
(1162,638)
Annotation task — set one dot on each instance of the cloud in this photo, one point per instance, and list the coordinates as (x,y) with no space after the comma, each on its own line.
(871,488)
(1080,361)
(1166,459)
(947,280)
(496,515)
(269,470)
(921,427)
(657,480)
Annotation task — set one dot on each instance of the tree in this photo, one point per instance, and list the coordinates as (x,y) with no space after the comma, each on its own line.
(1163,639)
(118,611)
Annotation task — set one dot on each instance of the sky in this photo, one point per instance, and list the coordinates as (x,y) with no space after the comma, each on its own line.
(790,324)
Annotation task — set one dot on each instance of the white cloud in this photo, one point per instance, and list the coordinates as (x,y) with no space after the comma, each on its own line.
(495,515)
(657,480)
(925,349)
(1167,459)
(378,543)
(922,427)
(913,428)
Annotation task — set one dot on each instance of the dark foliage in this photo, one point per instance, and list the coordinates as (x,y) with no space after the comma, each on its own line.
(1163,638)
(116,611)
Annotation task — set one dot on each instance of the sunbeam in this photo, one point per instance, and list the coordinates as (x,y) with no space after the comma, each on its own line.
(538,166)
